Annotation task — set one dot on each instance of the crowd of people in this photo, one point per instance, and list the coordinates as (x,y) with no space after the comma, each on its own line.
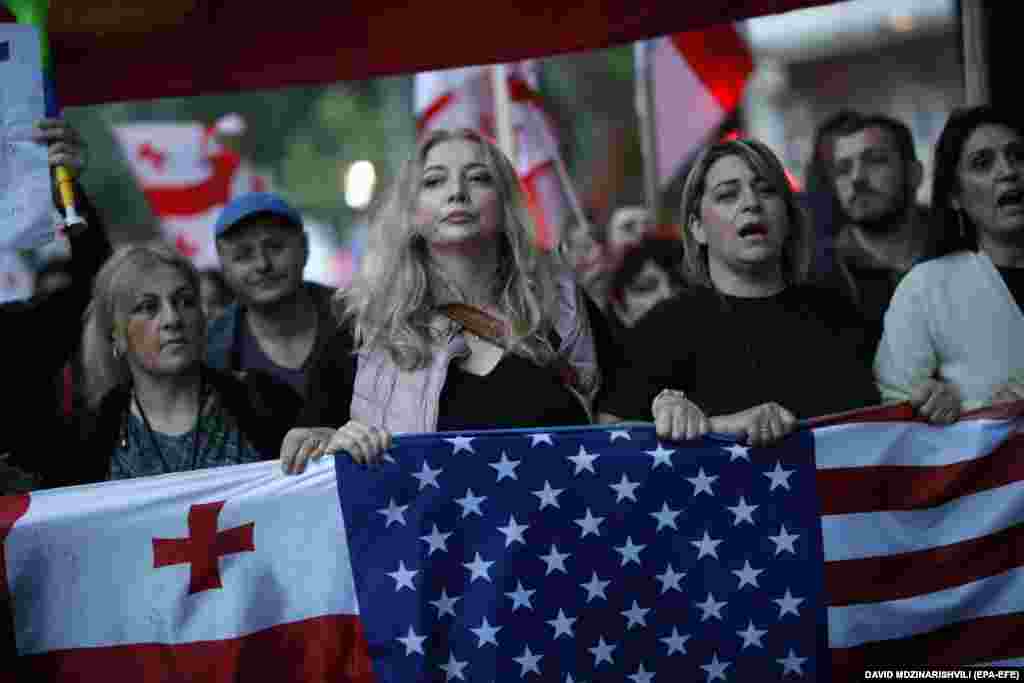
(766,307)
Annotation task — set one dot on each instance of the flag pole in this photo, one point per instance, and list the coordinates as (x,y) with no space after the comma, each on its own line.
(503,112)
(645,115)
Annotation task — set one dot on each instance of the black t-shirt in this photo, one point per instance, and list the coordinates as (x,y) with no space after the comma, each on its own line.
(516,393)
(1014,279)
(806,348)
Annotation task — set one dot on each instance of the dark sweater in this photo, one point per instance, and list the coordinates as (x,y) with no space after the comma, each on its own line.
(806,348)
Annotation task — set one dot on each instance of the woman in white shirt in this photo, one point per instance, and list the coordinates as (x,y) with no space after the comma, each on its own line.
(954,330)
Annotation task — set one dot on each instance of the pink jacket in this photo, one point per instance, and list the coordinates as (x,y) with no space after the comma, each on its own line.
(408,401)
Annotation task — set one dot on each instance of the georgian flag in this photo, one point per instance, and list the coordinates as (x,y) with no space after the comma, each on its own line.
(463,98)
(187,177)
(697,80)
(568,554)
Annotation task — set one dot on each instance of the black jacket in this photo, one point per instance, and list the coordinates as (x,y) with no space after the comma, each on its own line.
(256,403)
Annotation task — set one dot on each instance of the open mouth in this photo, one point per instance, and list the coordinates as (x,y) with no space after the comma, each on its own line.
(753,230)
(1011,198)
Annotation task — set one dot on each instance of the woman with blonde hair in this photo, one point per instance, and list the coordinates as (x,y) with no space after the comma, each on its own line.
(455,320)
(748,330)
(154,407)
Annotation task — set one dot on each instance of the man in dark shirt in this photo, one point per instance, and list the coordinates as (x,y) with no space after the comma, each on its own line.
(279,323)
(875,177)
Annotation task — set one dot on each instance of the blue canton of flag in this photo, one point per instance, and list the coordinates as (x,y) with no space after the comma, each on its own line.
(587,554)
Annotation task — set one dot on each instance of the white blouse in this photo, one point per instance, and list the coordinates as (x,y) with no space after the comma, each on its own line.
(952,319)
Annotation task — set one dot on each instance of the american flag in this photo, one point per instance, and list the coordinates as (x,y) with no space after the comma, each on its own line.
(600,554)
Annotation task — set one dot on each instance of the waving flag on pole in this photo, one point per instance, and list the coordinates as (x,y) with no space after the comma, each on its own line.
(463,98)
(187,177)
(697,78)
(572,554)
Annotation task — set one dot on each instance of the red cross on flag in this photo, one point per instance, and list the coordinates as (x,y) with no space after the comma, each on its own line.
(205,571)
(463,98)
(187,177)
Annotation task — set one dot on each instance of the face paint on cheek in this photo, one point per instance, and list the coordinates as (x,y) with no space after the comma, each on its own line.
(144,340)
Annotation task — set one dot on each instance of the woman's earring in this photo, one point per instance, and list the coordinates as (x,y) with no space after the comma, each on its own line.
(116,352)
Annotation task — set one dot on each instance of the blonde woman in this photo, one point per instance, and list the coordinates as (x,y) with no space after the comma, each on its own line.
(154,407)
(748,347)
(454,230)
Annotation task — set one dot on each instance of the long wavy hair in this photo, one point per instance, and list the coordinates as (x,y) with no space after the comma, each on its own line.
(798,250)
(113,293)
(392,298)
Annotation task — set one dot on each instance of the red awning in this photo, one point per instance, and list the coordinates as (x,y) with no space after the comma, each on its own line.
(110,50)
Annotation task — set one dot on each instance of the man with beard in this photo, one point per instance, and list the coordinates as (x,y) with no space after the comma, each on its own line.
(279,323)
(876,174)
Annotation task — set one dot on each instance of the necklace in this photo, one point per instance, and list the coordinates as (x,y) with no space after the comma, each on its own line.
(195,431)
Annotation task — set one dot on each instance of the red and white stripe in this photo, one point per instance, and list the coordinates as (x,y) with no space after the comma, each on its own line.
(698,79)
(923,532)
(463,98)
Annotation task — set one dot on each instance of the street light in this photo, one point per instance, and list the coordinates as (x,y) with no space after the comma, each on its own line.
(360,179)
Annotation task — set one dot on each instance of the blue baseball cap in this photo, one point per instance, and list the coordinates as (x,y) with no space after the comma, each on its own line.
(251,204)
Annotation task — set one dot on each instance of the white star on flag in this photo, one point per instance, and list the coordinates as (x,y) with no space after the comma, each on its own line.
(630,552)
(427,477)
(676,642)
(470,503)
(738,452)
(513,532)
(641,675)
(670,579)
(403,577)
(595,588)
(788,604)
(784,541)
(707,546)
(751,636)
(444,604)
(792,663)
(743,511)
(702,483)
(412,642)
(584,461)
(478,568)
(624,489)
(506,467)
(714,668)
(461,443)
(555,560)
(602,652)
(589,524)
(540,438)
(453,669)
(666,517)
(394,513)
(710,608)
(779,477)
(520,597)
(436,541)
(747,575)
(485,632)
(548,496)
(661,455)
(528,661)
(562,625)
(619,434)
(636,615)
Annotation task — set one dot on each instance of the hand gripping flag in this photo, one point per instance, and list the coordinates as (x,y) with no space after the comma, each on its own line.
(576,554)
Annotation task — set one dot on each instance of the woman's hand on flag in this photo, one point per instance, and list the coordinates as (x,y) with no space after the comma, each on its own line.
(761,425)
(937,401)
(677,417)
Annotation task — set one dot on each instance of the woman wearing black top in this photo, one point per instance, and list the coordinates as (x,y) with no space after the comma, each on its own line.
(455,236)
(747,331)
